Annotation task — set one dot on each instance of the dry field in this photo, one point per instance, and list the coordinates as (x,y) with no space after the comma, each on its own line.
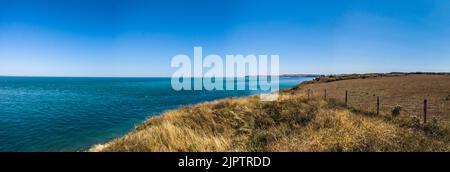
(297,123)
(406,91)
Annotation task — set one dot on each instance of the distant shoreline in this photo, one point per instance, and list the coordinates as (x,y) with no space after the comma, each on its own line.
(282,75)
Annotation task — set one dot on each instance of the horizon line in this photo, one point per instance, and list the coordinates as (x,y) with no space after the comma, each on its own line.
(280,75)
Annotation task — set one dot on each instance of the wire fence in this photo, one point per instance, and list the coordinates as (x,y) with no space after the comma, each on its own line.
(425,108)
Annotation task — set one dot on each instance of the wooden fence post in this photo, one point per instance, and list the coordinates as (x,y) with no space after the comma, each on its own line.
(346,98)
(378,105)
(425,106)
(325,94)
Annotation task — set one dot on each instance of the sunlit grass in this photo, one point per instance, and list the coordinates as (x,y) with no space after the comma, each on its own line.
(293,123)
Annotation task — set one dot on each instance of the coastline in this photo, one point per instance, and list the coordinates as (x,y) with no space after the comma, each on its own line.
(180,129)
(307,77)
(71,114)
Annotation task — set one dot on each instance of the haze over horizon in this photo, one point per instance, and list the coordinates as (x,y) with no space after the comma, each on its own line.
(138,38)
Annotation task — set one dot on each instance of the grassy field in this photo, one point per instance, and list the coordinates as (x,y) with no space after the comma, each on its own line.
(296,122)
(405,91)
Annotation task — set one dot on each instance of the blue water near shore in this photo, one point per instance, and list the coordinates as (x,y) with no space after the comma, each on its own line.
(71,114)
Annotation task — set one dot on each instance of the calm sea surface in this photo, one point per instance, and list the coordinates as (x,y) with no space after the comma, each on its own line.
(70,114)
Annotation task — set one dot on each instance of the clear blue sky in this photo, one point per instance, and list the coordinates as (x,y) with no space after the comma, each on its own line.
(139,38)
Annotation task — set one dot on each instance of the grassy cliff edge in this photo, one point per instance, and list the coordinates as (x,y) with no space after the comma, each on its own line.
(293,123)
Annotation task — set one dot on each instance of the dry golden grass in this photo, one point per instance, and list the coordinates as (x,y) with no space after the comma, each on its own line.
(293,123)
(407,91)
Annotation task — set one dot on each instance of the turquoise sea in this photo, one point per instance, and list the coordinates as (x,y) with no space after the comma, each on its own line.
(72,114)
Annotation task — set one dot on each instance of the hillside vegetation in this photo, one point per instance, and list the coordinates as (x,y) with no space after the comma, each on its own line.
(293,123)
